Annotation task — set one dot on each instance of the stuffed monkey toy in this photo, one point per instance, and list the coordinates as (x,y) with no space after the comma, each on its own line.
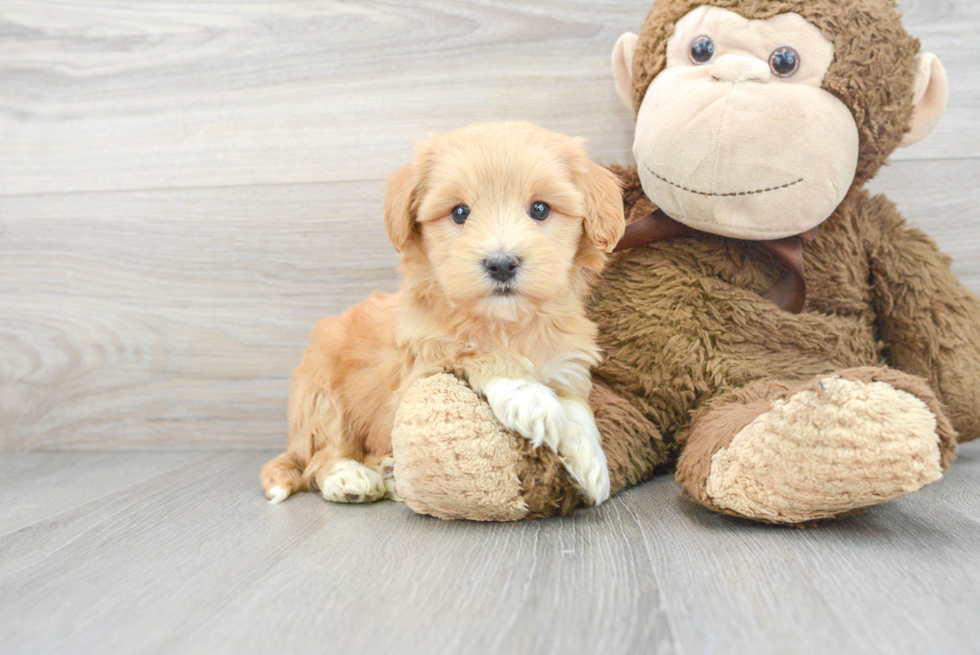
(776,335)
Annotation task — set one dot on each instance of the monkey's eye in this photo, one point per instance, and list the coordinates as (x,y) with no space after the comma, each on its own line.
(784,61)
(539,211)
(702,50)
(460,213)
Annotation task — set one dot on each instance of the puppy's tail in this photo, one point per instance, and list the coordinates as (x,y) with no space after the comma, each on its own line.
(282,477)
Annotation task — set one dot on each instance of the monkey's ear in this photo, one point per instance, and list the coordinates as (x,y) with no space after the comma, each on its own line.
(930,94)
(399,214)
(604,222)
(622,67)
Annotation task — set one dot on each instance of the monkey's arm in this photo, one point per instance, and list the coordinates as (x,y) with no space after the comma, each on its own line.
(929,322)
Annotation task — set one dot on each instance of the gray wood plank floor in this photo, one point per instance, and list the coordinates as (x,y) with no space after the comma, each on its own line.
(133,552)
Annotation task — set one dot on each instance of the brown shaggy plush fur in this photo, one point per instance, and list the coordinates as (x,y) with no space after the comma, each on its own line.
(683,322)
(695,354)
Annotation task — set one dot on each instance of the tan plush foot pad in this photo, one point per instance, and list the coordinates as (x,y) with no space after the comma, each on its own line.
(454,460)
(841,446)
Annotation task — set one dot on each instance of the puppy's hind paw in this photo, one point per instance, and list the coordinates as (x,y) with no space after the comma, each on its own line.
(388,475)
(352,482)
(529,408)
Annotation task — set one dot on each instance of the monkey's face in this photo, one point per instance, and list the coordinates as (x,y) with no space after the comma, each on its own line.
(736,136)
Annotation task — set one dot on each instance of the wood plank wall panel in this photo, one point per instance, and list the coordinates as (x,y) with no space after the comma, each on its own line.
(186,187)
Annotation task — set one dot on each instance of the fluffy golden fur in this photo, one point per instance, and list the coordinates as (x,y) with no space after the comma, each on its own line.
(525,342)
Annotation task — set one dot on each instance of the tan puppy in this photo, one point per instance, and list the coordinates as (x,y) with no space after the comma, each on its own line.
(502,227)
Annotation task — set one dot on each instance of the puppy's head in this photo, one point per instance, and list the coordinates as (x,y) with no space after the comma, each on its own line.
(503,217)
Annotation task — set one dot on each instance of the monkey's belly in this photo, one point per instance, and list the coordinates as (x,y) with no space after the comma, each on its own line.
(676,332)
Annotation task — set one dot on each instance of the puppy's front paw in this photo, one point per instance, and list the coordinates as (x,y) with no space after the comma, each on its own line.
(352,482)
(581,450)
(528,408)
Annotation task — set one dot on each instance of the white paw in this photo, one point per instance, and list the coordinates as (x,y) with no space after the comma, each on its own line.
(528,408)
(388,475)
(277,494)
(352,482)
(581,450)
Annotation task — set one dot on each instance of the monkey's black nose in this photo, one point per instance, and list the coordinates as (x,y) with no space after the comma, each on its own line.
(501,266)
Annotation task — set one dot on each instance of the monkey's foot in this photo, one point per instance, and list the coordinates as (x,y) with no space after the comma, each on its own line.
(830,449)
(790,453)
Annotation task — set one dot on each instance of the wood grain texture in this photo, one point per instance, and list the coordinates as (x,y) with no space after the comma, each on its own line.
(174,317)
(111,94)
(193,560)
(900,578)
(36,486)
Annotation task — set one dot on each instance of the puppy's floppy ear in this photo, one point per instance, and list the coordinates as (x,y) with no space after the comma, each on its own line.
(399,211)
(604,217)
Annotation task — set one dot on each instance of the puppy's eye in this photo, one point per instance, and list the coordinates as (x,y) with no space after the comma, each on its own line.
(702,50)
(539,211)
(460,213)
(784,61)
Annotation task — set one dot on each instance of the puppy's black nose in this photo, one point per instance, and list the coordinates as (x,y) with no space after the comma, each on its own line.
(501,266)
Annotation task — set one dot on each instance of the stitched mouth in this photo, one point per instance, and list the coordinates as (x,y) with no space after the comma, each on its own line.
(722,195)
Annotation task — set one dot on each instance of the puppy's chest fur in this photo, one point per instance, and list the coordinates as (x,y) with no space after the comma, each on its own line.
(561,366)
(559,354)
(570,370)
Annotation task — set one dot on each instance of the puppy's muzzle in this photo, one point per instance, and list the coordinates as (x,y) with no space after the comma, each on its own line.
(502,266)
